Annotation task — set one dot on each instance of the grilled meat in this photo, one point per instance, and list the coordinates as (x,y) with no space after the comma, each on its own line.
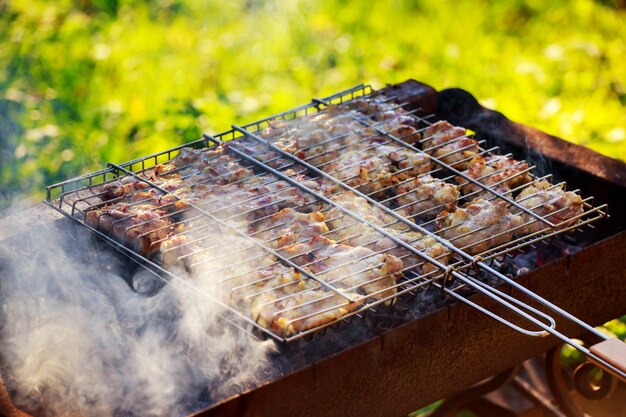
(426,196)
(561,208)
(348,230)
(288,227)
(347,267)
(318,138)
(295,313)
(449,144)
(360,169)
(140,225)
(479,226)
(499,172)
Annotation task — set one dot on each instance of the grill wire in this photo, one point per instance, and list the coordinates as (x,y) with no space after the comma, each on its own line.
(297,236)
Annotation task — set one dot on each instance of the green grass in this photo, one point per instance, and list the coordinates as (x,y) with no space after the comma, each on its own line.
(87,82)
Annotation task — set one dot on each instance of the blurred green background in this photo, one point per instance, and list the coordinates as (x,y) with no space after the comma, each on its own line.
(86,82)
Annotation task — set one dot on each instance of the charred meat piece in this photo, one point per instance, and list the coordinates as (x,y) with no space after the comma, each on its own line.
(366,171)
(404,163)
(288,227)
(294,313)
(403,132)
(274,279)
(449,144)
(139,226)
(561,208)
(499,172)
(347,267)
(319,138)
(426,245)
(238,203)
(348,230)
(426,196)
(479,226)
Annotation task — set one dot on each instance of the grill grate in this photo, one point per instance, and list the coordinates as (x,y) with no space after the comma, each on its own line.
(249,212)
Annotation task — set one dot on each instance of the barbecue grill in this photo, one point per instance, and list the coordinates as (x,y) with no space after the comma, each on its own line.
(484,277)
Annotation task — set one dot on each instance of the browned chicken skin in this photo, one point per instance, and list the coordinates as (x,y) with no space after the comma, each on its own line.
(479,226)
(561,208)
(449,144)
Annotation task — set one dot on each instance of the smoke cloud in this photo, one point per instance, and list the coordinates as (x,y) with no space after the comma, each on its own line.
(76,339)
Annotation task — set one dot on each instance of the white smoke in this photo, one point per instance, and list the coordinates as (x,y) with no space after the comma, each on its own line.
(76,339)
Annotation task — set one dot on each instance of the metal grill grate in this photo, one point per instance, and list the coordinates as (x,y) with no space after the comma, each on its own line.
(298,227)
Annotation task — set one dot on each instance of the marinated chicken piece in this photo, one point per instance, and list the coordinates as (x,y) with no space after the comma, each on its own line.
(404,162)
(133,191)
(245,200)
(262,152)
(256,197)
(363,208)
(426,196)
(381,110)
(427,245)
(561,208)
(293,197)
(321,186)
(288,227)
(360,169)
(140,226)
(367,106)
(347,267)
(207,165)
(199,158)
(348,230)
(449,144)
(320,138)
(176,251)
(479,226)
(205,250)
(287,315)
(273,279)
(394,117)
(403,132)
(378,169)
(166,170)
(223,170)
(499,172)
(118,189)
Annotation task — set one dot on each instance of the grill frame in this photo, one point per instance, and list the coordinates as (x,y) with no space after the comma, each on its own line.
(460,270)
(403,366)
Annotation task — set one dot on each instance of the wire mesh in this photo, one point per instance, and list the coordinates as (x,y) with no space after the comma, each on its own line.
(323,212)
